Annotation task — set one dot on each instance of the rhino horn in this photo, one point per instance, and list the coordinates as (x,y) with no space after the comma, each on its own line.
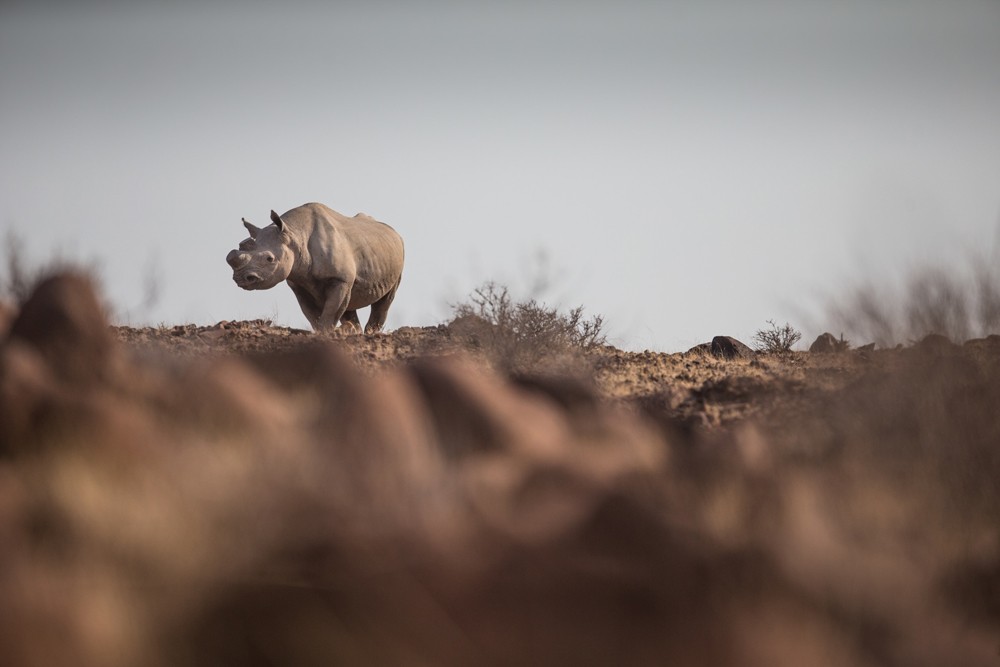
(276,219)
(236,259)
(253,229)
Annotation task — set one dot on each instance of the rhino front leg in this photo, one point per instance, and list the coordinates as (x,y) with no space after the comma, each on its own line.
(337,297)
(309,307)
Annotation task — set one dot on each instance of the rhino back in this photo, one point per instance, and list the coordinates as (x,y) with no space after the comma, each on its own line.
(378,259)
(360,250)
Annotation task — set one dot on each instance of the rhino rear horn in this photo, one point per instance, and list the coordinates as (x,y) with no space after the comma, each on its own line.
(253,229)
(276,219)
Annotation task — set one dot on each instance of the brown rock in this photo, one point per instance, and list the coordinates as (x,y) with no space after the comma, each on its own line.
(65,322)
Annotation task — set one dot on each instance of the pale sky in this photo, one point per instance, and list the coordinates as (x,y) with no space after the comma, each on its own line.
(689,169)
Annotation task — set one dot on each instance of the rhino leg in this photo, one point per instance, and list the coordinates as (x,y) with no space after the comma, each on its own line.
(350,319)
(309,306)
(379,311)
(338,296)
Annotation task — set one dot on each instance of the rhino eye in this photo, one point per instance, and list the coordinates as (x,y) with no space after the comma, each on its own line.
(270,259)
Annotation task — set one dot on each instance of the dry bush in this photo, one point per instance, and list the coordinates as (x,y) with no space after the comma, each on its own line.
(520,335)
(959,303)
(20,274)
(775,339)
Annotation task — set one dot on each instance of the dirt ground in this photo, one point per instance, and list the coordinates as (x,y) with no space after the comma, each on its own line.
(695,387)
(244,494)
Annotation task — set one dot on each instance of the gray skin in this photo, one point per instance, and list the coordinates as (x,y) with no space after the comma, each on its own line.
(334,264)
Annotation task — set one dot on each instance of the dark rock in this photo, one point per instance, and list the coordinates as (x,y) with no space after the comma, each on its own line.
(824,343)
(730,348)
(870,347)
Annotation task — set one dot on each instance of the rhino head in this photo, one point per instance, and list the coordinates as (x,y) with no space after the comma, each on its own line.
(263,260)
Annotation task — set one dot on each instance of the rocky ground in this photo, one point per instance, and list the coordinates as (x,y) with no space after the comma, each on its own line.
(244,494)
(696,388)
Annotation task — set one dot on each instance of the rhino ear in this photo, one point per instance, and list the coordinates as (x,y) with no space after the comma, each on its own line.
(253,229)
(276,219)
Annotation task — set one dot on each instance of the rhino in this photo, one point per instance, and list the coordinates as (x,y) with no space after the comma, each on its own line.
(334,264)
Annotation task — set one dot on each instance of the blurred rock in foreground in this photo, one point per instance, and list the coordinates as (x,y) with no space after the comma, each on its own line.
(288,508)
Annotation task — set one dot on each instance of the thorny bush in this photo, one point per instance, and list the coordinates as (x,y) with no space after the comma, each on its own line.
(521,335)
(775,339)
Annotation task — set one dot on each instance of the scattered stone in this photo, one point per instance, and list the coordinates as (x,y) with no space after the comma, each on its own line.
(870,347)
(728,347)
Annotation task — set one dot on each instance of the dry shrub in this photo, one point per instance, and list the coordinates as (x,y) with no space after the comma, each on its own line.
(21,274)
(775,339)
(930,423)
(523,335)
(959,303)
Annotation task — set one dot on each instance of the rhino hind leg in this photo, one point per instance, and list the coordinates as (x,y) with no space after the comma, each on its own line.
(350,320)
(379,311)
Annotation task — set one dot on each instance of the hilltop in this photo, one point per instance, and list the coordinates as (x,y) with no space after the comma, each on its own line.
(693,388)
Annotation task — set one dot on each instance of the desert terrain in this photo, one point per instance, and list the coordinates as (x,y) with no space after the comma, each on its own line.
(696,388)
(249,494)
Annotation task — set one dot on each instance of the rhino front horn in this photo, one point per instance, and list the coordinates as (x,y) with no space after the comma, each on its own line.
(236,259)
